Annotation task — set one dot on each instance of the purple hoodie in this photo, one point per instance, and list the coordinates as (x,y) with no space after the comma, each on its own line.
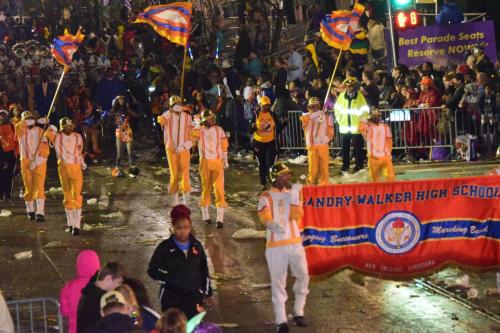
(87,264)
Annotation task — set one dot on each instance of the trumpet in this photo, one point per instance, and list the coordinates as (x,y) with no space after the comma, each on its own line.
(19,50)
(32,48)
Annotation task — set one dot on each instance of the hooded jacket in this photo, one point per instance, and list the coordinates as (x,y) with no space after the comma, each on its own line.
(87,264)
(114,323)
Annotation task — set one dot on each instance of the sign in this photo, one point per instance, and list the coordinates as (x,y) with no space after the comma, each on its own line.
(444,44)
(402,229)
(405,20)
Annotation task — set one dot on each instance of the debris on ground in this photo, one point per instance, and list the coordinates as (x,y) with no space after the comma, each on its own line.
(472,293)
(5,213)
(161,172)
(227,325)
(54,191)
(92,201)
(112,215)
(247,233)
(54,244)
(23,255)
(260,285)
(89,227)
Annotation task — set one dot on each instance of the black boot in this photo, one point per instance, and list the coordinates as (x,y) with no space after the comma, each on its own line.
(299,321)
(208,222)
(76,232)
(219,225)
(282,328)
(40,218)
(32,216)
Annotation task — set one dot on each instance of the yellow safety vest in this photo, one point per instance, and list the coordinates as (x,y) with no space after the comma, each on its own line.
(349,113)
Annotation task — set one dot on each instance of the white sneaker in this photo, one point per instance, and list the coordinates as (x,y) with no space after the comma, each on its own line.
(175,199)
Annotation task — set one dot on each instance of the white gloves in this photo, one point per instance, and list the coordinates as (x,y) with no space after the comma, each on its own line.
(38,161)
(82,163)
(225,160)
(275,227)
(53,128)
(188,144)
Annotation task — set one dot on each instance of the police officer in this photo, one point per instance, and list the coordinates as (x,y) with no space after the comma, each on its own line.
(349,109)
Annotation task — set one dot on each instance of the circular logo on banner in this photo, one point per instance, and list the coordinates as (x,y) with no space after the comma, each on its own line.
(397,232)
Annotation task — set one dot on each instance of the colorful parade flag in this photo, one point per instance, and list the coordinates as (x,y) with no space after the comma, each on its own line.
(172,21)
(337,29)
(402,229)
(63,47)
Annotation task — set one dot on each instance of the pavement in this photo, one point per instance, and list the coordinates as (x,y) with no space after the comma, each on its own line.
(130,217)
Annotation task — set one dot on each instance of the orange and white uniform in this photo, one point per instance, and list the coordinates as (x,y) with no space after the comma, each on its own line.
(70,162)
(318,131)
(177,140)
(280,211)
(33,165)
(379,145)
(212,147)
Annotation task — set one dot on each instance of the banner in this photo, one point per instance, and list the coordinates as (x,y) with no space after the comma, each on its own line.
(402,229)
(443,44)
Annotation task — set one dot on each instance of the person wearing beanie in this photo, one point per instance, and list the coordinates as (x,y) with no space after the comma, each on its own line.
(179,264)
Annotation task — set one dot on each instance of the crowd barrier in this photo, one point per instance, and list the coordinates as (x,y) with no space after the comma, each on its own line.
(412,128)
(36,315)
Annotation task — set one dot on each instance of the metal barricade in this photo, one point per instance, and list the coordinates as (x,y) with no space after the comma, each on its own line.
(411,128)
(36,315)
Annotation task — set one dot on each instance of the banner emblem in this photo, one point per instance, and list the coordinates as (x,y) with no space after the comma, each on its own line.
(397,232)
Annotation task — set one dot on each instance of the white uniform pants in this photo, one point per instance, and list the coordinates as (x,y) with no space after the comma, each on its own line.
(278,259)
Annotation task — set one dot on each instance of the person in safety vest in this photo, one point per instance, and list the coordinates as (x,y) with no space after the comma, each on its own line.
(349,109)
(34,150)
(212,147)
(8,155)
(177,125)
(318,130)
(379,145)
(69,146)
(280,210)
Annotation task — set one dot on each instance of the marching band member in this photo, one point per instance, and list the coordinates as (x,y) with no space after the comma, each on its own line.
(33,164)
(177,124)
(69,146)
(280,209)
(8,155)
(212,146)
(318,130)
(123,133)
(379,145)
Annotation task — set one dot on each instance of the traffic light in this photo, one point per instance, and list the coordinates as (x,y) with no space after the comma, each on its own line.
(406,19)
(401,4)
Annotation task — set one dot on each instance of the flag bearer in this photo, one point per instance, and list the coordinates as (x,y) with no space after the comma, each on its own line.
(280,209)
(318,129)
(33,158)
(379,145)
(177,139)
(212,147)
(69,146)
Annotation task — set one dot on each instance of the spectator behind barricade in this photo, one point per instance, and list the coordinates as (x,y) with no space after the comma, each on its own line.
(295,69)
(399,72)
(489,121)
(457,82)
(376,37)
(44,93)
(253,65)
(483,63)
(387,92)
(397,97)
(481,81)
(148,315)
(470,103)
(108,88)
(87,265)
(108,278)
(114,310)
(6,324)
(310,71)
(470,61)
(242,49)
(369,89)
(450,13)
(280,87)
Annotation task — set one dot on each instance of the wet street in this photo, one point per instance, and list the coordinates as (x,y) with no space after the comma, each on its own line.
(129,217)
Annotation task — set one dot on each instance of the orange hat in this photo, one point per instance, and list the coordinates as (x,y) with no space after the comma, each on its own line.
(427,80)
(264,100)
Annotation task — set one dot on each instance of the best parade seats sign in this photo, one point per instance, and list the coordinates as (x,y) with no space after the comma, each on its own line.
(402,229)
(444,44)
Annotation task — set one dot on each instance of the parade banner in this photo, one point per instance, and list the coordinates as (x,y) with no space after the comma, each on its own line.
(402,229)
(444,44)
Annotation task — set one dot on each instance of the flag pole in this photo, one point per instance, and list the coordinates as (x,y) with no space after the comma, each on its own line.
(52,107)
(183,70)
(333,75)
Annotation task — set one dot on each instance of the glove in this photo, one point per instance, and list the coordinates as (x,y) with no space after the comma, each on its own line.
(179,149)
(188,145)
(275,227)
(295,193)
(53,128)
(82,163)
(38,161)
(226,162)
